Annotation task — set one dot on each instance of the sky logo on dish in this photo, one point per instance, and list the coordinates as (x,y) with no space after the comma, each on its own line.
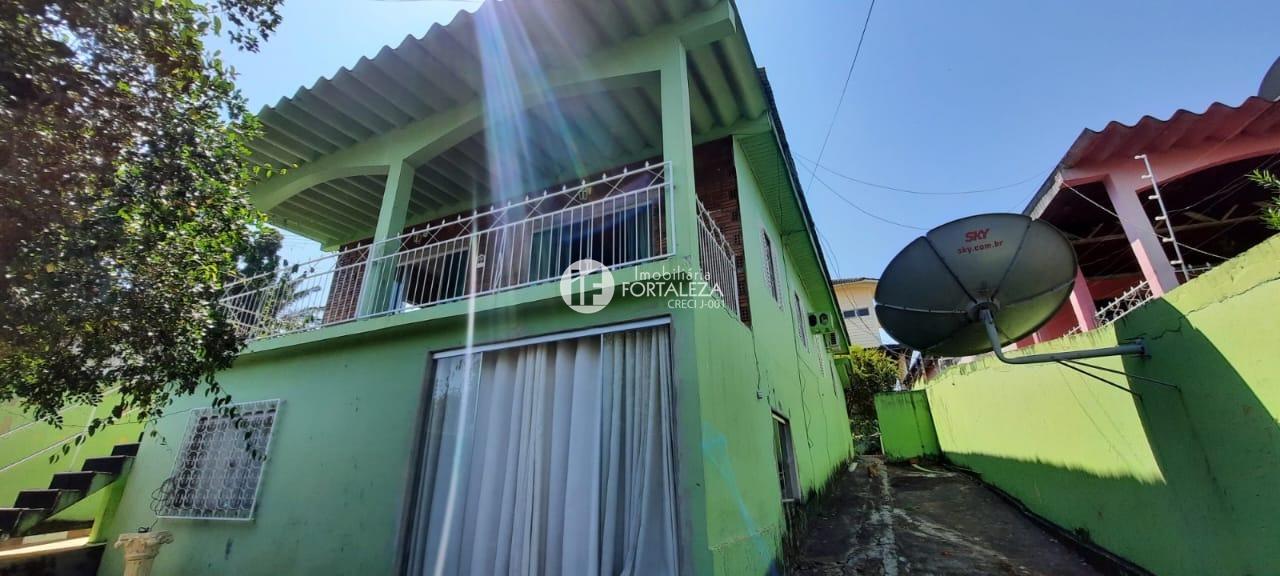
(976,235)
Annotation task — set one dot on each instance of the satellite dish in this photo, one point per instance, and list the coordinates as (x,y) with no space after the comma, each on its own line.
(977,284)
(1270,88)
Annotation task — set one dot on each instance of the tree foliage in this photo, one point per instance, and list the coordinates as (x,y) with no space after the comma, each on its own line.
(123,167)
(873,372)
(271,296)
(1269,181)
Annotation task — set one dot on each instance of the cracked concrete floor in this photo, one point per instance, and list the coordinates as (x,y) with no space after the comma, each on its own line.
(904,519)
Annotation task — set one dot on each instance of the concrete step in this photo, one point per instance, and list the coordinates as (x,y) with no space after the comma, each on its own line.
(15,521)
(65,488)
(125,450)
(47,499)
(108,464)
(87,482)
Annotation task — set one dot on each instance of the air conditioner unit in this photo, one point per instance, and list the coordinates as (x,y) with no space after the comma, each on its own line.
(832,343)
(820,323)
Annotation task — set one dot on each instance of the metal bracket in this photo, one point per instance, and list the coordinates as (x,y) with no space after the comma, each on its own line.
(1136,348)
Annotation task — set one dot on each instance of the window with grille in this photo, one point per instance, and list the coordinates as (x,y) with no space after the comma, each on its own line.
(784,456)
(219,466)
(770,269)
(801,320)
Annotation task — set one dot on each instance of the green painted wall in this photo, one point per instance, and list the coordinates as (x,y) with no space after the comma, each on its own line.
(744,374)
(25,447)
(334,488)
(1179,481)
(906,425)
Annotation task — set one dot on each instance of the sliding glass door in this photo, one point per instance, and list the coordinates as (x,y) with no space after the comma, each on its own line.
(551,458)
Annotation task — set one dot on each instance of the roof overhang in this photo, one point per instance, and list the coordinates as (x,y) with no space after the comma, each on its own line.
(1254,118)
(573,80)
(580,73)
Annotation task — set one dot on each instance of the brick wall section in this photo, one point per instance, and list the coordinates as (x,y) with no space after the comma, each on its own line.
(344,292)
(716,181)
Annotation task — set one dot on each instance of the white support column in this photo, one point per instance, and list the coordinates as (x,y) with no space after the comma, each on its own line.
(1123,188)
(379,277)
(677,150)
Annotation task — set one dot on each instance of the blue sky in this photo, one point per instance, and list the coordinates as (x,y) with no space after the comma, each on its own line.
(947,96)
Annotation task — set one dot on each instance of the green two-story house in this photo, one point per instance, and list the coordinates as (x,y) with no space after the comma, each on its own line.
(573,318)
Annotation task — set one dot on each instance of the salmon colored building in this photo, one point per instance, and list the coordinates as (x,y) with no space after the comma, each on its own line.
(1149,205)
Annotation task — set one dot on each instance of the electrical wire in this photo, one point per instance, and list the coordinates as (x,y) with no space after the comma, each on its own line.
(859,208)
(1122,373)
(1232,185)
(1158,235)
(1097,377)
(829,246)
(1039,174)
(866,23)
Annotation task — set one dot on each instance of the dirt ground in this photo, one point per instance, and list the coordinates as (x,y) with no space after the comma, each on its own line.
(922,519)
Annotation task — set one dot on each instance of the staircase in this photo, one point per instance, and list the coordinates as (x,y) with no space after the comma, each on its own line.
(66,488)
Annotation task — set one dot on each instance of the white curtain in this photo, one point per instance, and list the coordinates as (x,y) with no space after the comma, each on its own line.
(552,458)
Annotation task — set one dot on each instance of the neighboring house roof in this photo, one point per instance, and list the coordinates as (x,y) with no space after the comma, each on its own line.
(855,280)
(1217,123)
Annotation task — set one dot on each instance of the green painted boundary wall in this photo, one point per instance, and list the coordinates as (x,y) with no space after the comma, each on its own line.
(26,444)
(906,426)
(1181,480)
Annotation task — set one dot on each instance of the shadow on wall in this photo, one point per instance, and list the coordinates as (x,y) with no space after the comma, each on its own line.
(1216,430)
(1179,481)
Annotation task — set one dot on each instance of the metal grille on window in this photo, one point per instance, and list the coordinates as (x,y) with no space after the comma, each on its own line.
(801,319)
(219,466)
(770,272)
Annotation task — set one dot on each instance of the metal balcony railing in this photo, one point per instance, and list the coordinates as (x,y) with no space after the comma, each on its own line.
(719,270)
(619,220)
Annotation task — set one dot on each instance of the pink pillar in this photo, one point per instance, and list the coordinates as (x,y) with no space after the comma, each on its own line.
(1122,188)
(1082,304)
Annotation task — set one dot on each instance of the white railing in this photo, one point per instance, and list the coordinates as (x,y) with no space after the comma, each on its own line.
(1134,297)
(619,220)
(1193,272)
(718,267)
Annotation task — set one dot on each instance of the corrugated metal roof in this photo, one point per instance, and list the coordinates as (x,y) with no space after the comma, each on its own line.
(584,132)
(1219,122)
(1183,129)
(443,69)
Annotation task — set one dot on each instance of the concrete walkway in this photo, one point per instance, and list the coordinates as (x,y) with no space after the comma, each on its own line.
(903,519)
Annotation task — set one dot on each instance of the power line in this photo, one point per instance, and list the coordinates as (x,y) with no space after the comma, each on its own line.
(859,208)
(848,76)
(828,169)
(1158,235)
(822,239)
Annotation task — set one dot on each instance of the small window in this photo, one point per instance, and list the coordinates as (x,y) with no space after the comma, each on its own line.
(220,463)
(802,321)
(770,269)
(784,454)
(857,312)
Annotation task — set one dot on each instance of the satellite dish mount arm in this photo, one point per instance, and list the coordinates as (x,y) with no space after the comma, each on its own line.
(989,322)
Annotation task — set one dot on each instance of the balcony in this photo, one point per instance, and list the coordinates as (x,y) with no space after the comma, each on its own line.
(620,220)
